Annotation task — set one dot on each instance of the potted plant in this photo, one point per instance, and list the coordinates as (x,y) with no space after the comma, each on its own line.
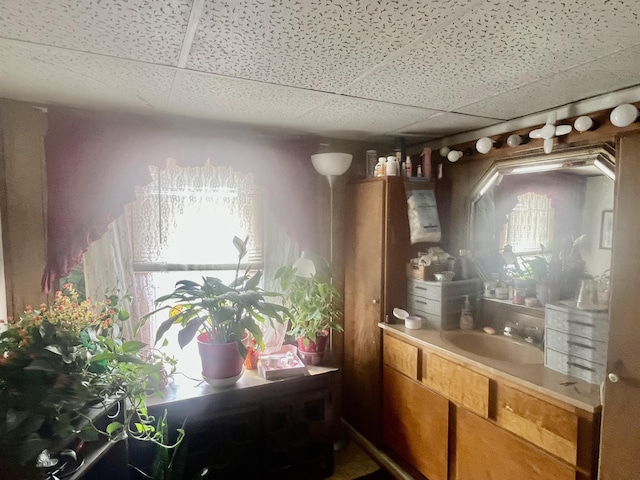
(221,317)
(314,312)
(60,365)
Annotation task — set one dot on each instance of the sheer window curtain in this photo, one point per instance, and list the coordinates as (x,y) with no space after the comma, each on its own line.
(154,229)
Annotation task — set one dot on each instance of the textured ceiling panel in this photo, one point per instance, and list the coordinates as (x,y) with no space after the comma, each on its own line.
(615,72)
(38,73)
(205,95)
(316,44)
(500,46)
(360,118)
(350,69)
(444,124)
(148,30)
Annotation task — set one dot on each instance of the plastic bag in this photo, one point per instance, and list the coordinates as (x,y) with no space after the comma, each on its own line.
(424,225)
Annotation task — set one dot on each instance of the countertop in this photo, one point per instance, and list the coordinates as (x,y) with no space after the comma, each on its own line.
(571,390)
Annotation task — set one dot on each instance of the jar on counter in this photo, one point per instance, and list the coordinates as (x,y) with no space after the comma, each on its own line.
(519,294)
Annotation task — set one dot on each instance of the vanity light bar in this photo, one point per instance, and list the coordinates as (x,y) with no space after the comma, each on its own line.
(537,168)
(605,167)
(487,185)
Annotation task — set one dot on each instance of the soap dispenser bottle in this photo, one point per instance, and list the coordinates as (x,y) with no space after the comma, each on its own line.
(466,318)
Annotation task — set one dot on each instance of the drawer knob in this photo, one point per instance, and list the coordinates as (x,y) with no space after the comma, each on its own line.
(613,378)
(375,301)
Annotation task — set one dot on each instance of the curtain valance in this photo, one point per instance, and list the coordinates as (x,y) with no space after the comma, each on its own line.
(95,160)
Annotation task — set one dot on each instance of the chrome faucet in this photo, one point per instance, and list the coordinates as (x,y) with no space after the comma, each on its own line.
(510,328)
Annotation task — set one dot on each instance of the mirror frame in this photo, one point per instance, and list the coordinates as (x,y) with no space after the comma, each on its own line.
(600,156)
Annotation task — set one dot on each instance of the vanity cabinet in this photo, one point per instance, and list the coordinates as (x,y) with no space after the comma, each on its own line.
(377,248)
(457,420)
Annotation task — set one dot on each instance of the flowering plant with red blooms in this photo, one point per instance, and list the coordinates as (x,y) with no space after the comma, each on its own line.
(59,358)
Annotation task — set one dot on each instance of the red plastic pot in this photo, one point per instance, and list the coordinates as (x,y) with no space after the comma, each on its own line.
(219,361)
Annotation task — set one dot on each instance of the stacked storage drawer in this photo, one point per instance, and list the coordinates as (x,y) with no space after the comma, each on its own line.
(440,303)
(576,341)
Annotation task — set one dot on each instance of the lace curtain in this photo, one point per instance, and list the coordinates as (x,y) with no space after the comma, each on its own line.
(530,224)
(189,216)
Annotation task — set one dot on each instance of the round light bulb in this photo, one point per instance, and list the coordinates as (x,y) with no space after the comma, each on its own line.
(454,155)
(484,145)
(583,123)
(624,115)
(444,151)
(514,140)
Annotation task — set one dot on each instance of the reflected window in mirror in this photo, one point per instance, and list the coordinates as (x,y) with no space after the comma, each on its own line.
(538,218)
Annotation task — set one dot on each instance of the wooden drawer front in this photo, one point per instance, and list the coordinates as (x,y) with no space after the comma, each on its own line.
(485,451)
(581,347)
(424,289)
(416,424)
(423,306)
(457,383)
(401,356)
(584,324)
(543,424)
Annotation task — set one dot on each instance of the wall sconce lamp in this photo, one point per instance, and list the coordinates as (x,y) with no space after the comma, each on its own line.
(624,115)
(485,144)
(583,123)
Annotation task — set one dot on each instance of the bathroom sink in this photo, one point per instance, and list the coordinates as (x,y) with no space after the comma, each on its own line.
(495,347)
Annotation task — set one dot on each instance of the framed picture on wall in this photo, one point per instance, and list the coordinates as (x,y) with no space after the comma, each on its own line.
(606,230)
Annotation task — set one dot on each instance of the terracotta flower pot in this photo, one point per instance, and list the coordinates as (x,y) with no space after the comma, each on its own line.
(219,361)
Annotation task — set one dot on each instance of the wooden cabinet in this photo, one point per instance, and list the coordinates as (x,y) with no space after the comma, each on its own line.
(377,248)
(452,420)
(415,419)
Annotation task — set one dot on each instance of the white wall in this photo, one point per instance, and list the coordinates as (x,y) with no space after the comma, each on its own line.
(598,197)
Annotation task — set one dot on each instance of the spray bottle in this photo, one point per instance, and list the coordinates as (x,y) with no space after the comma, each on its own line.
(466,317)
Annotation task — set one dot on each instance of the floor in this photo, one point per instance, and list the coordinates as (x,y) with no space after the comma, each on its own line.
(352,462)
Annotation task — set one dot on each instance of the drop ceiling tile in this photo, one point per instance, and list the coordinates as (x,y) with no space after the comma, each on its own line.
(45,74)
(607,74)
(230,99)
(499,46)
(360,118)
(147,30)
(317,44)
(445,124)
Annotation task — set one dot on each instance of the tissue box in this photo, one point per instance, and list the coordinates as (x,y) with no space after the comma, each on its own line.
(421,272)
(284,363)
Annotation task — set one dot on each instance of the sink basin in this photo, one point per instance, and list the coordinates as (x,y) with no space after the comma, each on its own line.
(495,347)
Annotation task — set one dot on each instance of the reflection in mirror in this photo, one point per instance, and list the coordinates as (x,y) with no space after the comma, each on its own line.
(537,224)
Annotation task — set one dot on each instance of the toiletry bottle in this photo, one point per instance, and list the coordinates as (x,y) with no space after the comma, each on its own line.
(466,318)
(391,166)
(408,166)
(419,173)
(380,167)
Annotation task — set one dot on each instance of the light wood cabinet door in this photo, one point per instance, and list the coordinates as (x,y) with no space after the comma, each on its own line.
(485,451)
(416,424)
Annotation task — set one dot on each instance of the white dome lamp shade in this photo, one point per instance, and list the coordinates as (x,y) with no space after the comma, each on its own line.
(624,115)
(331,164)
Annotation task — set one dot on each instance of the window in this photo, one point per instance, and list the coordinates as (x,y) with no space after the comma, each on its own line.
(183,224)
(530,224)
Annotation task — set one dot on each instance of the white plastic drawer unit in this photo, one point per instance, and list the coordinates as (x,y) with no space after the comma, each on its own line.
(593,325)
(440,303)
(576,342)
(582,347)
(575,366)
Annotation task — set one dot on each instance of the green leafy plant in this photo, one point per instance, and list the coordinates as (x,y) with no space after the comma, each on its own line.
(224,312)
(60,360)
(313,302)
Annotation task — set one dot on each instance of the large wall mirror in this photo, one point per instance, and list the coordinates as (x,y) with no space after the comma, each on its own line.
(546,220)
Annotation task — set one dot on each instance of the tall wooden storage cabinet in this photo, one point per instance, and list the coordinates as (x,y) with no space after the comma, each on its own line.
(377,248)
